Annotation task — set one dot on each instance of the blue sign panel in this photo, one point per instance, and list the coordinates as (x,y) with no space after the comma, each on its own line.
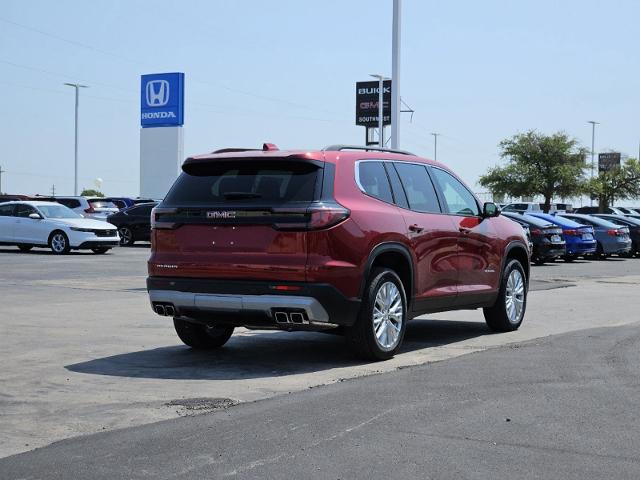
(162,100)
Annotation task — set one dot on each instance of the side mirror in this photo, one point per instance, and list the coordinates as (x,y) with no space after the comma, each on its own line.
(35,216)
(490,209)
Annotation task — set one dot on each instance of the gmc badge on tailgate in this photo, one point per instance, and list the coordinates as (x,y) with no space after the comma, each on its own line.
(221,214)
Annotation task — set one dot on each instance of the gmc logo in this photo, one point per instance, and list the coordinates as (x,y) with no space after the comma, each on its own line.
(221,214)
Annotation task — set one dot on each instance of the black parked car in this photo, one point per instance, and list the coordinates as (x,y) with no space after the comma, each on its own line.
(547,239)
(634,229)
(134,223)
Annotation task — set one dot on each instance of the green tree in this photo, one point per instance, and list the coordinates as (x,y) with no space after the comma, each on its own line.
(617,184)
(546,165)
(90,192)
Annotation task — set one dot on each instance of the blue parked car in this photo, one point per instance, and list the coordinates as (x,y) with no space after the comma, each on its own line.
(580,238)
(611,238)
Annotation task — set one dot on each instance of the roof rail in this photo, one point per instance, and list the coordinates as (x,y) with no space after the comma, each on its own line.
(339,148)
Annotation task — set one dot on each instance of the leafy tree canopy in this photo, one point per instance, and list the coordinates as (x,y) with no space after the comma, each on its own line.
(616,184)
(537,164)
(90,192)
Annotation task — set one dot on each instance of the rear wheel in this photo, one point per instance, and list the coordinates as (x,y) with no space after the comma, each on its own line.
(202,337)
(538,261)
(25,248)
(59,243)
(507,313)
(569,258)
(379,329)
(126,236)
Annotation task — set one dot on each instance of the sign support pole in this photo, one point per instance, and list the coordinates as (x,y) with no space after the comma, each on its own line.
(395,76)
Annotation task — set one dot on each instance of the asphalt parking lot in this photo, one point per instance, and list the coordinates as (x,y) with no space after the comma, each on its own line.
(83,352)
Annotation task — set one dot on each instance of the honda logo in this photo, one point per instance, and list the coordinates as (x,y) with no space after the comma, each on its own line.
(157,93)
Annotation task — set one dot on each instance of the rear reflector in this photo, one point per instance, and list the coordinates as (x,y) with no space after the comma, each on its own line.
(286,288)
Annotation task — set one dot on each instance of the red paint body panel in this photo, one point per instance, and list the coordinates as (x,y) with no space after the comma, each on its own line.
(452,256)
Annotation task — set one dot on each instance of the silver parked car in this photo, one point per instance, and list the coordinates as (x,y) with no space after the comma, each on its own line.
(611,238)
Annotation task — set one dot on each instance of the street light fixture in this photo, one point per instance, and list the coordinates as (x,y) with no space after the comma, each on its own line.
(435,145)
(381,80)
(77,86)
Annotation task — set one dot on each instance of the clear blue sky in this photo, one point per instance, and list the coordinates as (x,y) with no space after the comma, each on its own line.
(284,72)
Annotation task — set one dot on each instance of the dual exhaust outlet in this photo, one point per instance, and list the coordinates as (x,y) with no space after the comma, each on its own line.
(164,309)
(290,317)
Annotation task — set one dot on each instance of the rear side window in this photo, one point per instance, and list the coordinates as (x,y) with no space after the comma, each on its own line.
(68,202)
(6,210)
(460,201)
(373,180)
(417,184)
(23,210)
(238,182)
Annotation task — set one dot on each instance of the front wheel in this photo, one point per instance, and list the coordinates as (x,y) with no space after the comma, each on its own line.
(507,313)
(59,243)
(382,320)
(202,337)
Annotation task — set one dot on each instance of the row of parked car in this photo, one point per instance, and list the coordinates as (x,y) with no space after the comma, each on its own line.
(570,235)
(73,223)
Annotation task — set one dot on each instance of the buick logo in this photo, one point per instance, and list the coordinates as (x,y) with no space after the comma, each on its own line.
(157,93)
(221,214)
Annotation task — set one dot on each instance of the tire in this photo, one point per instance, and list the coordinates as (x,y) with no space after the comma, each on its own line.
(538,261)
(507,313)
(100,250)
(59,243)
(599,255)
(201,337)
(126,236)
(380,338)
(25,248)
(568,258)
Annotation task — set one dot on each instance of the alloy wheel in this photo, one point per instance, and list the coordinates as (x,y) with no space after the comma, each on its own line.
(125,236)
(58,243)
(387,316)
(514,296)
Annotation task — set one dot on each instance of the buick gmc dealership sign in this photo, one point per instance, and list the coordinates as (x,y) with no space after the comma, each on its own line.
(162,100)
(367,103)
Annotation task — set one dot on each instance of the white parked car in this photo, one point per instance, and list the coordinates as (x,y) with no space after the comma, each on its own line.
(90,207)
(29,224)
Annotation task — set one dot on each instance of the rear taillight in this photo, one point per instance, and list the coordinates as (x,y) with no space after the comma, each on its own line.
(612,232)
(157,221)
(320,216)
(619,232)
(572,233)
(536,231)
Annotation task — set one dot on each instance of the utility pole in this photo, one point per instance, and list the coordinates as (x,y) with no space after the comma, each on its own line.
(593,140)
(435,146)
(381,80)
(395,75)
(77,86)
(1,172)
(53,190)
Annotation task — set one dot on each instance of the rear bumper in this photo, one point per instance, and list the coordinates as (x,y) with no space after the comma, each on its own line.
(550,250)
(581,248)
(616,247)
(254,304)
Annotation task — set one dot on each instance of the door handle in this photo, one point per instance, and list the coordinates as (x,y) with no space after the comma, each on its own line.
(415,228)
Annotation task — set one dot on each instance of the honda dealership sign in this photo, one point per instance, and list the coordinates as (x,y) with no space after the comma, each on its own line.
(367,103)
(162,100)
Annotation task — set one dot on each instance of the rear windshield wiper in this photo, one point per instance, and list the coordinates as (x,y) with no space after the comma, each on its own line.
(239,195)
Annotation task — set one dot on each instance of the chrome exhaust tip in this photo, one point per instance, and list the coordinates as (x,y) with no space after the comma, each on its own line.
(281,317)
(169,311)
(297,317)
(159,309)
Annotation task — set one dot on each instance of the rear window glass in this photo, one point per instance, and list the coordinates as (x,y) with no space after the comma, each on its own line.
(101,204)
(263,182)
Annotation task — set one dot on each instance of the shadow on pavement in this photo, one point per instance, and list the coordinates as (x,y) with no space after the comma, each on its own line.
(267,354)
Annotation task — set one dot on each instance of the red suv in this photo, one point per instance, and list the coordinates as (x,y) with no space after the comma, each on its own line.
(350,238)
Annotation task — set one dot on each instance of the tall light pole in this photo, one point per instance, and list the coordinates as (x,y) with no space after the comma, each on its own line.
(395,75)
(435,145)
(77,86)
(381,80)
(1,172)
(593,142)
